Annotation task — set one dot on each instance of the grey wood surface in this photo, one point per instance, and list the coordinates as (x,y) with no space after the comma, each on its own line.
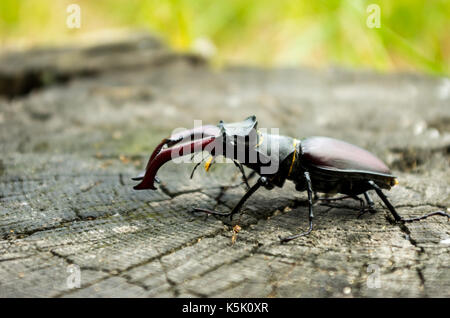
(77,123)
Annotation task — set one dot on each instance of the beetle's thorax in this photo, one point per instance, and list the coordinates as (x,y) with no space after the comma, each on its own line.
(293,164)
(279,157)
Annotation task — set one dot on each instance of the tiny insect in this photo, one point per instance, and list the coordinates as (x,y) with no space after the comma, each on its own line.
(314,164)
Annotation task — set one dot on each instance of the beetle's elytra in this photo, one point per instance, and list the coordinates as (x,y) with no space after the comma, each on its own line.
(314,164)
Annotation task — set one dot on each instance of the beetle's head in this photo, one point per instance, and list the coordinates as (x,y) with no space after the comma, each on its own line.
(237,139)
(239,129)
(233,140)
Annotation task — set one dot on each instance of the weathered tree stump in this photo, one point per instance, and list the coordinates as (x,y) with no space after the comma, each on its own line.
(77,123)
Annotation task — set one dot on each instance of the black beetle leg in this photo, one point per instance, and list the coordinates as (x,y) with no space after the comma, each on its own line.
(363,208)
(383,197)
(397,217)
(425,216)
(251,175)
(366,208)
(317,198)
(241,169)
(311,215)
(370,203)
(369,207)
(261,181)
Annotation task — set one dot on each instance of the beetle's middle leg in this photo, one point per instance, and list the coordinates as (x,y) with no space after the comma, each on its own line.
(397,217)
(363,206)
(368,206)
(261,181)
(311,215)
(370,203)
(344,197)
(317,198)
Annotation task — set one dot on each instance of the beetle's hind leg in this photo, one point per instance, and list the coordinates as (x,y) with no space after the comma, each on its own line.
(442,213)
(311,215)
(397,217)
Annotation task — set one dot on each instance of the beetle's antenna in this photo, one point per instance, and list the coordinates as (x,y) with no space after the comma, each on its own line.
(195,168)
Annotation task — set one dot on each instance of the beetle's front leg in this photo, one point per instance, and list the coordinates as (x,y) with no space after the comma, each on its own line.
(241,170)
(261,181)
(311,215)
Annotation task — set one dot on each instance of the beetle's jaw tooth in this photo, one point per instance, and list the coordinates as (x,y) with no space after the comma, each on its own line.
(394,182)
(139,177)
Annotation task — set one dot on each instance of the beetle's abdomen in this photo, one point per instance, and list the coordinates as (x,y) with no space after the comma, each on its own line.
(329,153)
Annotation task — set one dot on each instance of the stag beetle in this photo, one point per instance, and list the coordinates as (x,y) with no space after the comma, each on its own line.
(314,164)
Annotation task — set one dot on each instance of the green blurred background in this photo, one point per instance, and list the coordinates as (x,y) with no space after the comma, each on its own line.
(414,35)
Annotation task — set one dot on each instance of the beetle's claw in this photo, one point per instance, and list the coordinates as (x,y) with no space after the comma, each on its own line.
(139,177)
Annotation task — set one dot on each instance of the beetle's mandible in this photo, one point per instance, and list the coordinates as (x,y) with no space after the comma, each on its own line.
(314,164)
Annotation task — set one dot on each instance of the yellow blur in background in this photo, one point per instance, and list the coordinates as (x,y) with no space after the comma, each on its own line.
(412,35)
